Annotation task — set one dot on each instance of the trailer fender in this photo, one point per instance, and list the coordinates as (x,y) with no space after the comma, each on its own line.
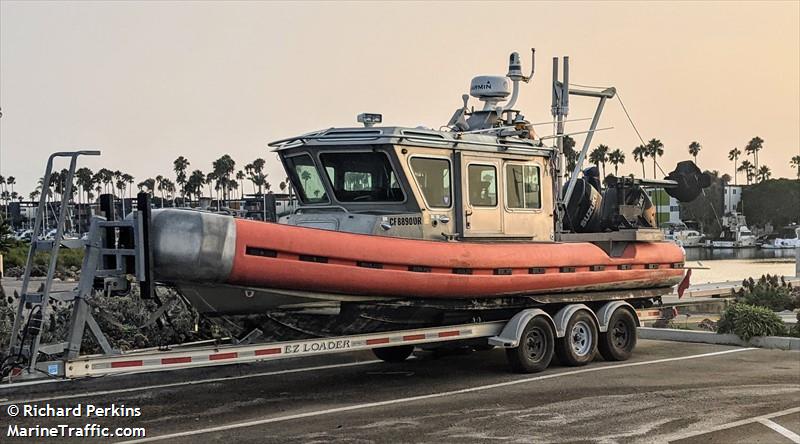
(512,331)
(565,314)
(605,312)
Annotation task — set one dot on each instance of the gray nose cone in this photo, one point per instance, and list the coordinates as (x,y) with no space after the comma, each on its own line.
(192,246)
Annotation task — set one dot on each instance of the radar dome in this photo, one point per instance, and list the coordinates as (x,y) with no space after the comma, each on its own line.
(490,87)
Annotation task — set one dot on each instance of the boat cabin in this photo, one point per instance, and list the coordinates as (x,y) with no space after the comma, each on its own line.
(420,183)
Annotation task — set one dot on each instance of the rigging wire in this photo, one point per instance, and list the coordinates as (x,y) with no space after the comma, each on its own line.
(627,114)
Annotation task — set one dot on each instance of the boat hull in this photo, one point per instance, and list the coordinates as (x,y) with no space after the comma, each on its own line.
(207,249)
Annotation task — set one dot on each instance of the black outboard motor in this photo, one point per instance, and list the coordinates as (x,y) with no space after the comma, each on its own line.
(582,214)
(625,204)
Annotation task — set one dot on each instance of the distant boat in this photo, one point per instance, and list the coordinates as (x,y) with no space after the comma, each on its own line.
(682,235)
(787,237)
(735,234)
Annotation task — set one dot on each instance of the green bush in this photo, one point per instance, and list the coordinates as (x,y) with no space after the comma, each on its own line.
(17,256)
(795,330)
(769,291)
(748,321)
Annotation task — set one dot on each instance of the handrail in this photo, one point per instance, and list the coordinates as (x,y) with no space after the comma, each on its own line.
(509,144)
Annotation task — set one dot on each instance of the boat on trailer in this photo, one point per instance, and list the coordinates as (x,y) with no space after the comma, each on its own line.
(408,226)
(401,238)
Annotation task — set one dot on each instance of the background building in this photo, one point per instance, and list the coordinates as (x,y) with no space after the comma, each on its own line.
(667,207)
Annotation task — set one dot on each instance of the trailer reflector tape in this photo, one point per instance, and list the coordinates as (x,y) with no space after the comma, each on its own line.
(413,337)
(120,364)
(268,351)
(147,360)
(178,360)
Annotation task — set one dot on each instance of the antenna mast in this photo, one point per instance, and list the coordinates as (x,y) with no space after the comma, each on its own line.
(559,108)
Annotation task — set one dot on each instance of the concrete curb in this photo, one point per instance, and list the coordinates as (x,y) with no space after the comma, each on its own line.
(708,337)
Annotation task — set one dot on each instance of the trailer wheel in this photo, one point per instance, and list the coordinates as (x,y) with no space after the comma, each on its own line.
(579,344)
(394,354)
(535,350)
(618,342)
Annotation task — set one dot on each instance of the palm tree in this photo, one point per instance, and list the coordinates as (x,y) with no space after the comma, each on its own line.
(639,155)
(734,156)
(224,168)
(763,173)
(104,176)
(34,195)
(599,156)
(180,165)
(753,147)
(160,187)
(168,186)
(11,180)
(795,162)
(195,184)
(120,185)
(209,181)
(694,150)
(570,155)
(256,173)
(616,157)
(85,180)
(655,149)
(748,170)
(305,176)
(240,177)
(128,179)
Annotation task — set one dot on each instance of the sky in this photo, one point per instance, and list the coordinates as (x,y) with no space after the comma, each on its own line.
(145,82)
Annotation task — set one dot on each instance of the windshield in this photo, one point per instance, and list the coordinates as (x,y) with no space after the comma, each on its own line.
(305,175)
(362,177)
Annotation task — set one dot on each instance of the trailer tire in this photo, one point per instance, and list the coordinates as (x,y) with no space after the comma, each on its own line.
(618,342)
(579,344)
(394,354)
(535,350)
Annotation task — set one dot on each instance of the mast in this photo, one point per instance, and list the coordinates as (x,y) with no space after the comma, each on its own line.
(559,109)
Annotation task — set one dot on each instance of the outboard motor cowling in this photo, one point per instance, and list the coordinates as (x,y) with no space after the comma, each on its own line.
(582,214)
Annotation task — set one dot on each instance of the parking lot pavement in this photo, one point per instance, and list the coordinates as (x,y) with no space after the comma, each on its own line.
(667,391)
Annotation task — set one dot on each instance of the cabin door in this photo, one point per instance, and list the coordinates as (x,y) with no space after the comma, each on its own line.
(481,198)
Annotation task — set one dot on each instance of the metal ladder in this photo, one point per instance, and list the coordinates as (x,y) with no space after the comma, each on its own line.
(27,328)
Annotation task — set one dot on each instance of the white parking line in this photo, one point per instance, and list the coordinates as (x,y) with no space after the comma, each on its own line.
(178,384)
(794,437)
(424,397)
(742,422)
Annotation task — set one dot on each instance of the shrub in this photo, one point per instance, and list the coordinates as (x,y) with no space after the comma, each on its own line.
(748,321)
(17,256)
(795,330)
(769,291)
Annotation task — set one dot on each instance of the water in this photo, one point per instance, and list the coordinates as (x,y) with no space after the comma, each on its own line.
(738,264)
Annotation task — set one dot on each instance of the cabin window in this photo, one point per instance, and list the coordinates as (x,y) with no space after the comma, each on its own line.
(482,185)
(362,177)
(433,177)
(309,184)
(522,186)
